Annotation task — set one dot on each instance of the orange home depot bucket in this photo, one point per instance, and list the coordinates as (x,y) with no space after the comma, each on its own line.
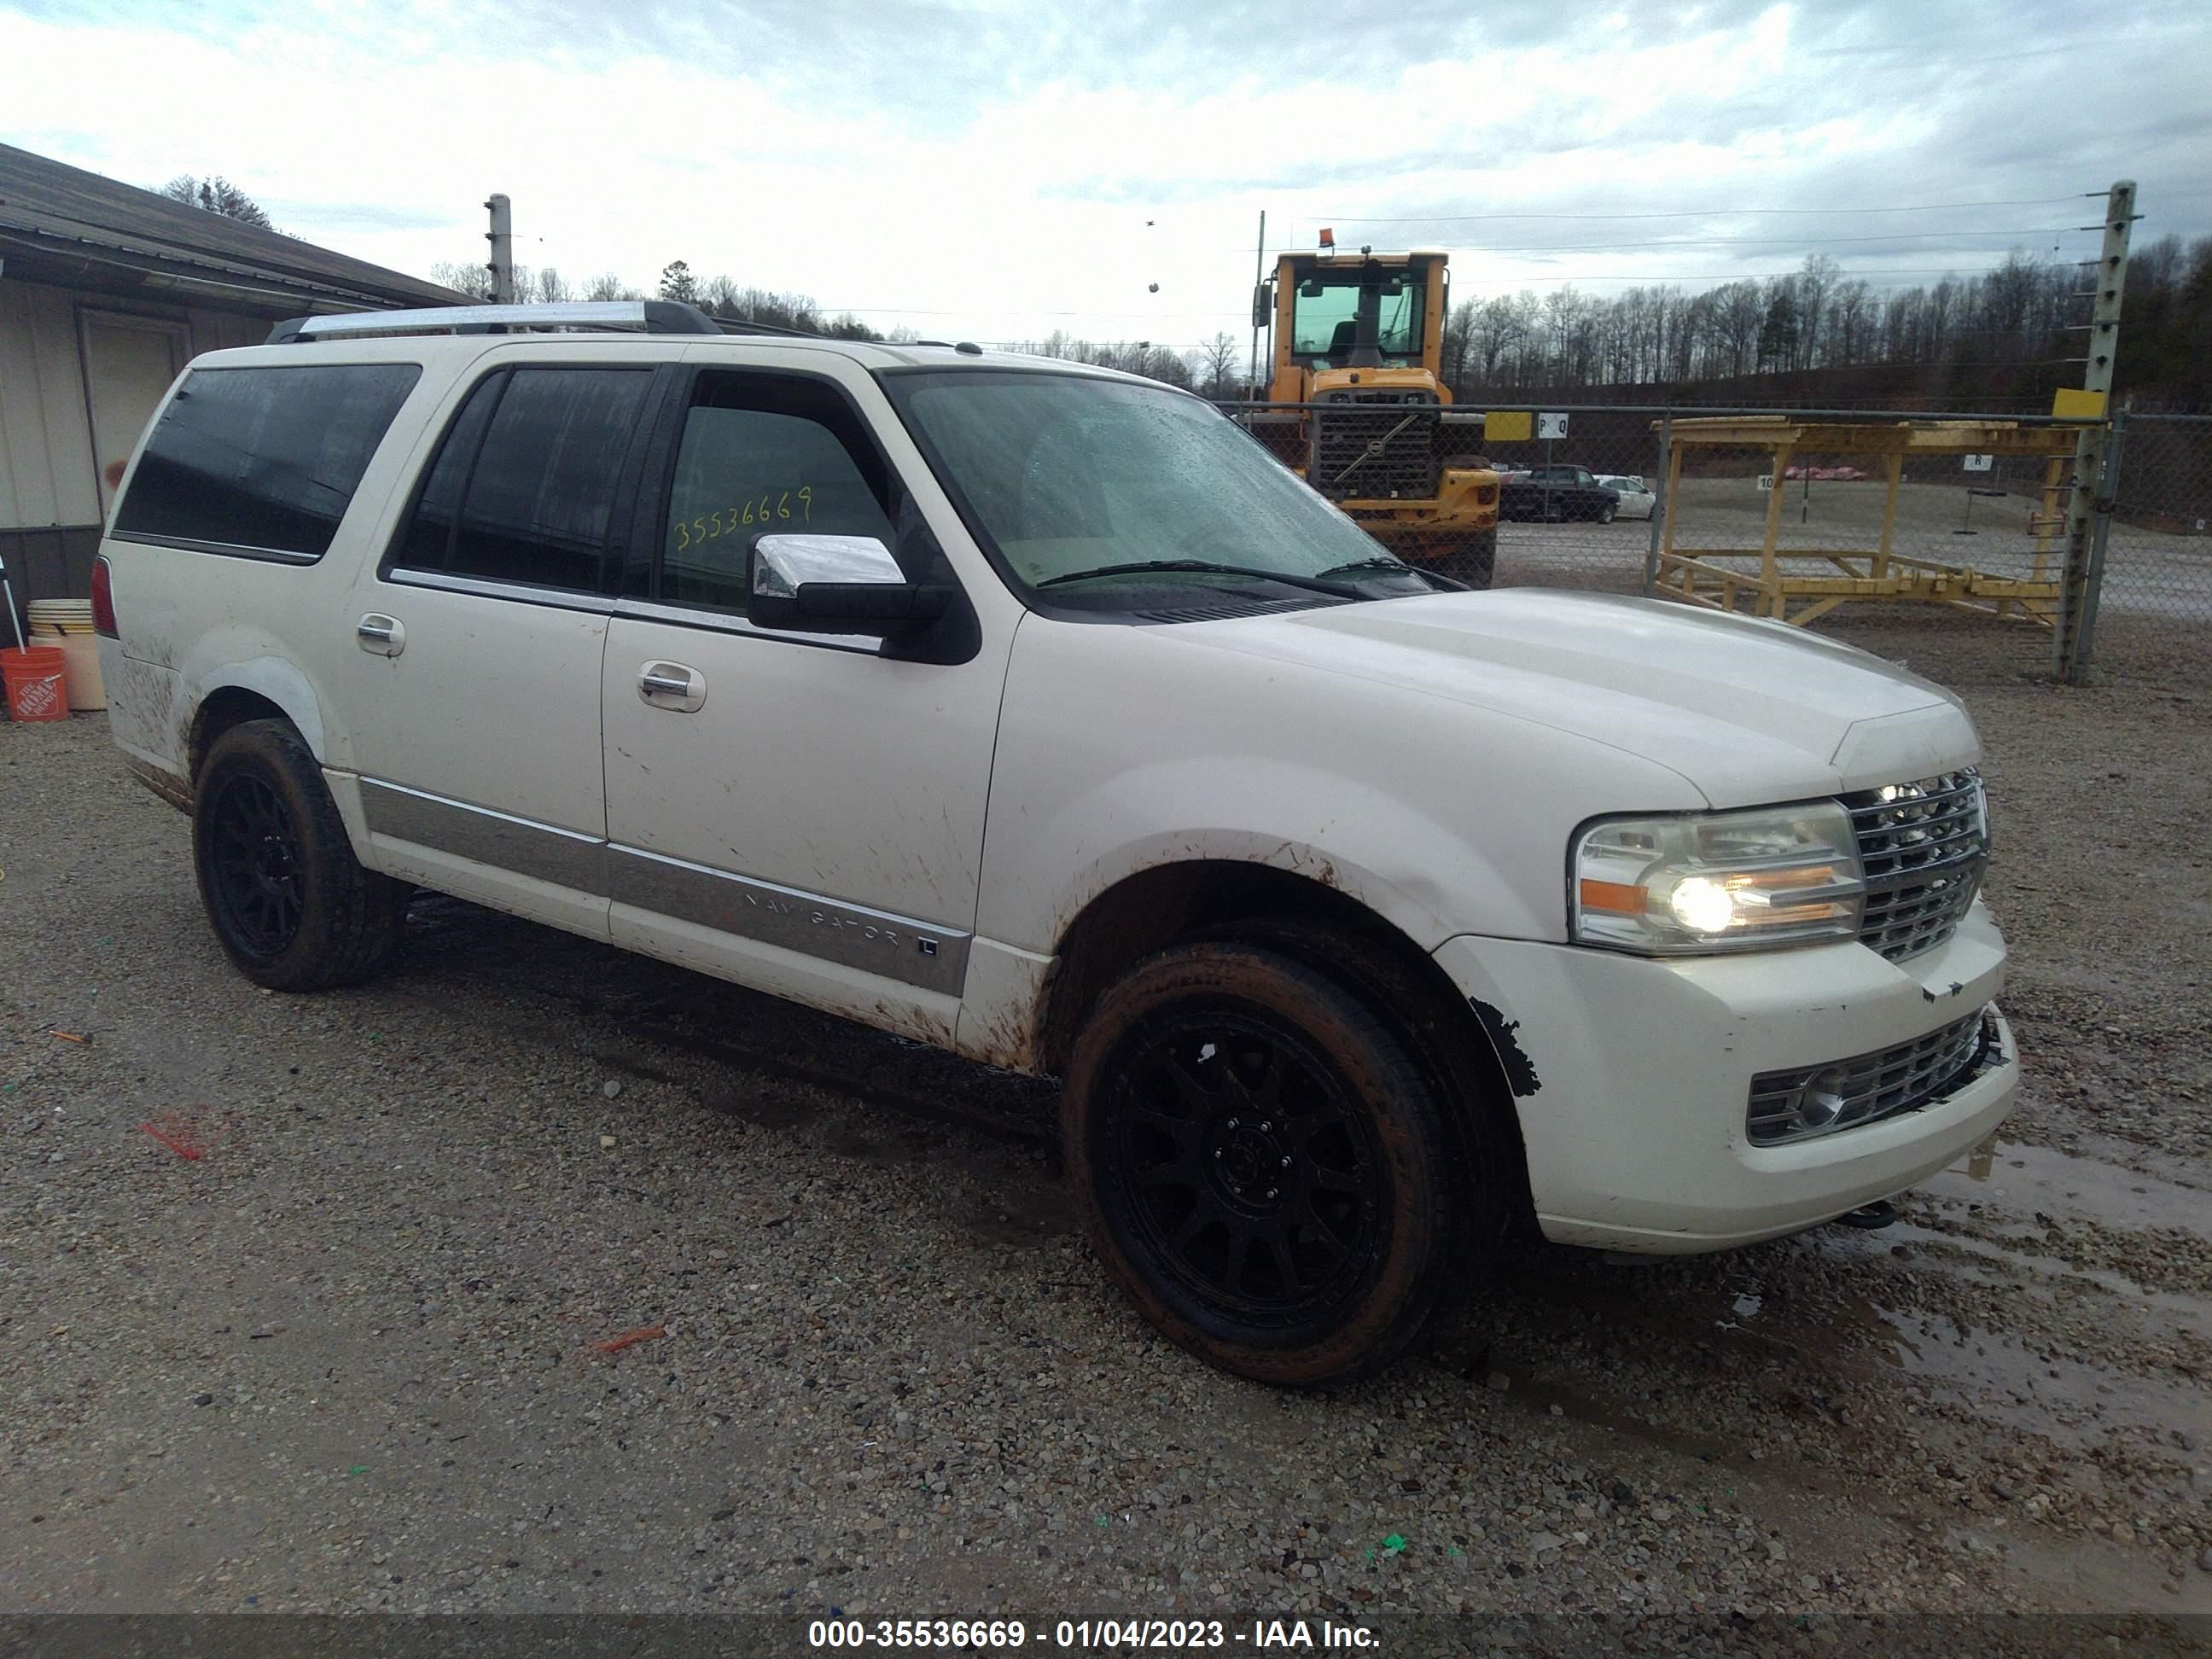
(33,681)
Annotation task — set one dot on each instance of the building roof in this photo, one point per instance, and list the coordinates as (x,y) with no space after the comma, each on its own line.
(60,223)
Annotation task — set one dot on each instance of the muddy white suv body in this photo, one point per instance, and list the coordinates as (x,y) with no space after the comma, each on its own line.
(1367,920)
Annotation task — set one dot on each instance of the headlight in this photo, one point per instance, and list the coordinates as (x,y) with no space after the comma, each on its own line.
(1716,881)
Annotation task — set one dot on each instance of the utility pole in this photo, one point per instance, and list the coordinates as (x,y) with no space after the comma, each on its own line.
(2072,627)
(1259,261)
(501,237)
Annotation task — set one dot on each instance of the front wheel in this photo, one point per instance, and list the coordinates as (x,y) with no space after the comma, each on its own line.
(1608,512)
(1471,558)
(293,908)
(1261,1165)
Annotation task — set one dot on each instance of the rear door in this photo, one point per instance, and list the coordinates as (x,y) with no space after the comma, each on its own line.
(809,819)
(128,362)
(476,680)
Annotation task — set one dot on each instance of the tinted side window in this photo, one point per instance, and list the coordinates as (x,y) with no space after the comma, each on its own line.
(266,458)
(427,538)
(541,494)
(761,456)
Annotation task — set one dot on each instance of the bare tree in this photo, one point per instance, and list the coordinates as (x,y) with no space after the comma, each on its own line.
(470,279)
(1213,365)
(720,297)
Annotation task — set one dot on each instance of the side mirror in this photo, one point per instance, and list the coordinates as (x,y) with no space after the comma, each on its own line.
(1263,303)
(836,584)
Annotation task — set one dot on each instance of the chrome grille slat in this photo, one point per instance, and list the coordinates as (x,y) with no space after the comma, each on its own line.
(1878,1086)
(1922,852)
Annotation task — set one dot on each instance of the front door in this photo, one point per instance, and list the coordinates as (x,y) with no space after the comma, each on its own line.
(807,815)
(478,641)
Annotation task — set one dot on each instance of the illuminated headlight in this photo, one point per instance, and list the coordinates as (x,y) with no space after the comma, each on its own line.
(1716,881)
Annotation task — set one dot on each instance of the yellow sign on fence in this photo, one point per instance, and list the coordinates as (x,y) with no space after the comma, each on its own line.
(1509,426)
(2070,403)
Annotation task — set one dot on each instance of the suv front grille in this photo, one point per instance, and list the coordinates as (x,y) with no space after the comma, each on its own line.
(1922,846)
(1818,1100)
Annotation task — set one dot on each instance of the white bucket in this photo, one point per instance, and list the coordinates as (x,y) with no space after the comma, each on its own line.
(80,649)
(63,615)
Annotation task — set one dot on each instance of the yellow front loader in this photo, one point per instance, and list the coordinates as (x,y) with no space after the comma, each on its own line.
(1358,408)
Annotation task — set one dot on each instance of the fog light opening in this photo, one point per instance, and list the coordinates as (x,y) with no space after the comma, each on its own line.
(1820,1102)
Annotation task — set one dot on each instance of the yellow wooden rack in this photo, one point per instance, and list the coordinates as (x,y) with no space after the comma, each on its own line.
(1797,586)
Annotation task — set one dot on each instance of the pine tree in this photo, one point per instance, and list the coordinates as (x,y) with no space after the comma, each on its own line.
(216,194)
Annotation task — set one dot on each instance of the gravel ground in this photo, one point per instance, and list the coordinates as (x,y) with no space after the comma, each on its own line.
(342,1359)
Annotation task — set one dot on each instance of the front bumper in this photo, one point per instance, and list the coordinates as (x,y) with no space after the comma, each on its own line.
(1632,1077)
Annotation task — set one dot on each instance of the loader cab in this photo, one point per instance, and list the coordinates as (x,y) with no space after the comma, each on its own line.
(1334,314)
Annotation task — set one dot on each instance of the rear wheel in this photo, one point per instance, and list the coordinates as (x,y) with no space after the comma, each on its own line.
(293,908)
(1607,513)
(1263,1166)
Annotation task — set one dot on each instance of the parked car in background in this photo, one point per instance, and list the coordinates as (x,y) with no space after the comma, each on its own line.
(1371,923)
(1637,499)
(1554,494)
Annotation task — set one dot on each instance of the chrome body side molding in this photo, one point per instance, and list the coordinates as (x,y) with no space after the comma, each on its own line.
(915,952)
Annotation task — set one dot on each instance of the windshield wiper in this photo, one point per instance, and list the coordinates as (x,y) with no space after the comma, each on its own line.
(1380,562)
(1209,567)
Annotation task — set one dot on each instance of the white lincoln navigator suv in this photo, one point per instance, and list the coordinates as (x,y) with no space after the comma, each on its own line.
(1034,711)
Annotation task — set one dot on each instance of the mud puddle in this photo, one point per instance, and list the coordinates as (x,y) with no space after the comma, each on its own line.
(2094,1577)
(2035,1388)
(2025,1181)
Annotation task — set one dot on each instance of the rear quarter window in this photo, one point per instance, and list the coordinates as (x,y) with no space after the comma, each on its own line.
(262,461)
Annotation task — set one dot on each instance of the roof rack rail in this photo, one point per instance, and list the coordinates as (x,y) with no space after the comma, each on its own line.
(648,316)
(746,325)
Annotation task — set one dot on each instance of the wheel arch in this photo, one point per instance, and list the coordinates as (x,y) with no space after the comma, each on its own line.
(221,709)
(1312,921)
(266,688)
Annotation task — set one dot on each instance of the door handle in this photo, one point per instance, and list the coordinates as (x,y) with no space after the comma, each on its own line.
(384,636)
(672,685)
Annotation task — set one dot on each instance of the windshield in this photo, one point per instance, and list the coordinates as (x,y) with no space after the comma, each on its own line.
(1325,315)
(1062,475)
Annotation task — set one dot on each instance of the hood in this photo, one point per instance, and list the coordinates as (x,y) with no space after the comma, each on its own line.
(1748,711)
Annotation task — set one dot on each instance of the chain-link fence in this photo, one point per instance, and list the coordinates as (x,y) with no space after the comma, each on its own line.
(2153,565)
(1957,561)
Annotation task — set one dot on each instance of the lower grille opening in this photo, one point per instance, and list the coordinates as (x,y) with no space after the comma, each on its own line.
(1818,1100)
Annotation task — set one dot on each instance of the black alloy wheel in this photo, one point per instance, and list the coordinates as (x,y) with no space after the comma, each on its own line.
(257,860)
(1246,1169)
(293,908)
(1268,1170)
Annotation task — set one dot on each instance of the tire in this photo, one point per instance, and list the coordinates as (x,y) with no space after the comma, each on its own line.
(1608,512)
(1263,1166)
(1472,559)
(291,905)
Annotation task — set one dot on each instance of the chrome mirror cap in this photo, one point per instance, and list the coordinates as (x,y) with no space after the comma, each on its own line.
(782,563)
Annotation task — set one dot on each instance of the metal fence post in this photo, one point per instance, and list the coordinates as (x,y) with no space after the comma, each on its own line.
(2093,585)
(1651,553)
(2068,658)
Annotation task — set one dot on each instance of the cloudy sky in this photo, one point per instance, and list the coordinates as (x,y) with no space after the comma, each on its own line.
(994,170)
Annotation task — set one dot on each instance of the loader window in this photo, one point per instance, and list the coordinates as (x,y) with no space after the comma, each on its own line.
(1325,317)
